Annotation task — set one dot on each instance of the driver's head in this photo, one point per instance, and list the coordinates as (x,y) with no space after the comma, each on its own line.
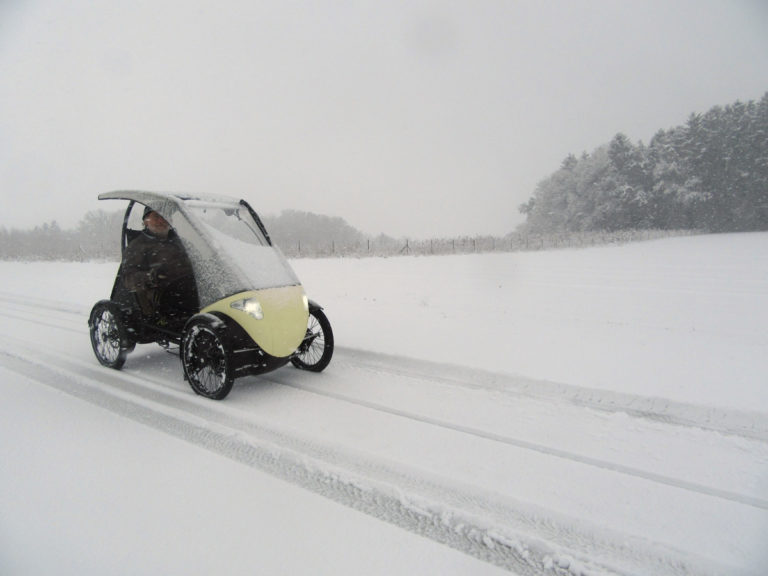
(156,224)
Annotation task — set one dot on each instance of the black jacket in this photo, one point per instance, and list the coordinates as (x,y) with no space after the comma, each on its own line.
(158,270)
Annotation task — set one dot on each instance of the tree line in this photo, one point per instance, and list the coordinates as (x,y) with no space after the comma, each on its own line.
(299,235)
(710,174)
(97,236)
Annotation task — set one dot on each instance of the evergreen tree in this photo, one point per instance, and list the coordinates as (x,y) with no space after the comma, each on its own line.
(709,174)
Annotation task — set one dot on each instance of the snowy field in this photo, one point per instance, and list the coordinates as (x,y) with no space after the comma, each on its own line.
(593,411)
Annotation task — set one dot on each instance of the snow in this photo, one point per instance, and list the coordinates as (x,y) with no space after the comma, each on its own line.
(595,411)
(92,494)
(673,319)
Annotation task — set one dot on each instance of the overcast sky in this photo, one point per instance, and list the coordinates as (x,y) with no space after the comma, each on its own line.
(413,118)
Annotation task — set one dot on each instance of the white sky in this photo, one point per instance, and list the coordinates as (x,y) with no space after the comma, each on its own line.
(413,118)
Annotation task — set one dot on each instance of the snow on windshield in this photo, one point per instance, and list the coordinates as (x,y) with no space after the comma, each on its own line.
(246,261)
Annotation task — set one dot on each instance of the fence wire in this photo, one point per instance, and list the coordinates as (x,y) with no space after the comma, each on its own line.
(68,248)
(469,245)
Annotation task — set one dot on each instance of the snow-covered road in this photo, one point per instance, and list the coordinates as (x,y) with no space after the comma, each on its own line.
(521,473)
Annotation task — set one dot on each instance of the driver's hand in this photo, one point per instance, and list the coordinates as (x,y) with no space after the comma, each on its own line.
(152,278)
(157,275)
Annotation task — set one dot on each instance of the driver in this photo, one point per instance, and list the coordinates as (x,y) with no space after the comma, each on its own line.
(156,268)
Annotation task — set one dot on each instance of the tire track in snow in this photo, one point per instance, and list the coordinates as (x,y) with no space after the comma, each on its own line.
(38,322)
(547,450)
(515,442)
(522,538)
(39,303)
(291,459)
(753,425)
(34,311)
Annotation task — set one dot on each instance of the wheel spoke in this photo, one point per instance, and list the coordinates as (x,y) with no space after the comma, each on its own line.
(106,336)
(317,348)
(206,363)
(110,345)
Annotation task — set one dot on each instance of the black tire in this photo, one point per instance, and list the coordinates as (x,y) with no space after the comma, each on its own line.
(109,335)
(206,358)
(316,350)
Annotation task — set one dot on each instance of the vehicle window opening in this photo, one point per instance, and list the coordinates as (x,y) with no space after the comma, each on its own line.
(157,273)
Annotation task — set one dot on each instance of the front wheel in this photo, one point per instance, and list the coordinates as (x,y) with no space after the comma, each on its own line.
(204,356)
(109,335)
(316,349)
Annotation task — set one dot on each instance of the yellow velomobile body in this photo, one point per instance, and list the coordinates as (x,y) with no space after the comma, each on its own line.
(276,321)
(250,312)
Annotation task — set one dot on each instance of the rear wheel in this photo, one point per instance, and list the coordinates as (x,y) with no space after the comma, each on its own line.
(109,336)
(316,350)
(205,358)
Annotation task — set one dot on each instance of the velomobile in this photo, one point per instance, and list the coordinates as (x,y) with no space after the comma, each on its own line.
(226,296)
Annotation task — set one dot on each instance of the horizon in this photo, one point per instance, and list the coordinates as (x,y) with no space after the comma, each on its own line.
(411,120)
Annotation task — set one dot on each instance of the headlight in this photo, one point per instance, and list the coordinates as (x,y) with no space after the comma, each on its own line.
(250,306)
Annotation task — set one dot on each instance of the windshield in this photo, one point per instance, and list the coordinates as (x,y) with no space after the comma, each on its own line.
(233,221)
(229,252)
